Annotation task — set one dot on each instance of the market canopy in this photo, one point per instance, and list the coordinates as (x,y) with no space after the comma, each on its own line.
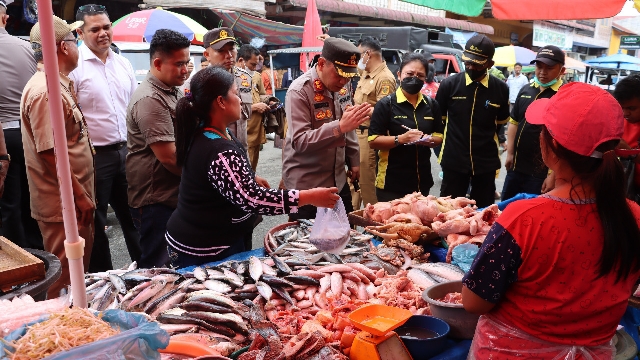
(530,10)
(249,27)
(509,55)
(616,61)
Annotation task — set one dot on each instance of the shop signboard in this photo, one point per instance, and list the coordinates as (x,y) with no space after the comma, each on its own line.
(630,42)
(547,34)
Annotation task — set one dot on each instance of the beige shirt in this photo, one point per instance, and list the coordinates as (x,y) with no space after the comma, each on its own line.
(150,118)
(373,86)
(255,129)
(314,149)
(37,136)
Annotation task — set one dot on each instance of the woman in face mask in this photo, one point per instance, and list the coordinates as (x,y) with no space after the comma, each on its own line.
(404,127)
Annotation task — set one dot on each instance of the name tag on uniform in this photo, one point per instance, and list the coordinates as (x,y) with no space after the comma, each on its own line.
(459,98)
(525,96)
(400,117)
(321,105)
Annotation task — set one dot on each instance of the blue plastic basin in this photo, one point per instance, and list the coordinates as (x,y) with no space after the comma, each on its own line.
(423,349)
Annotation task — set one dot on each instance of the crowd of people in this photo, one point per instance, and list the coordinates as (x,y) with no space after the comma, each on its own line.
(177,163)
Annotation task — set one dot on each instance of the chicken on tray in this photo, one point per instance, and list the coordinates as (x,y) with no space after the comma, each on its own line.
(414,207)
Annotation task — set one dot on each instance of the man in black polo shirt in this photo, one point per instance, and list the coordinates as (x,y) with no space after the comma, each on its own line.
(474,106)
(526,173)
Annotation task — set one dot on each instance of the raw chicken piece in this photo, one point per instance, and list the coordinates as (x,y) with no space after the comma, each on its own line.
(409,217)
(426,210)
(378,212)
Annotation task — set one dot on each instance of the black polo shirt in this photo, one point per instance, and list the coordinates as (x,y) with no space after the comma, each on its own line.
(474,113)
(527,157)
(405,168)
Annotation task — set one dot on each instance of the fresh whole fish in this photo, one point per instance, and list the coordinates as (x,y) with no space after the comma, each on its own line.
(218,286)
(211,297)
(302,280)
(264,290)
(233,278)
(200,273)
(446,271)
(255,268)
(203,306)
(118,283)
(276,281)
(420,278)
(147,293)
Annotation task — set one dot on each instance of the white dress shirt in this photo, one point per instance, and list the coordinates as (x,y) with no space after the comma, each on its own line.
(104,90)
(515,84)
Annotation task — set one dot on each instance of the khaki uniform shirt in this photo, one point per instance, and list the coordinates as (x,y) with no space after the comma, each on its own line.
(243,82)
(150,118)
(374,85)
(315,151)
(255,129)
(37,137)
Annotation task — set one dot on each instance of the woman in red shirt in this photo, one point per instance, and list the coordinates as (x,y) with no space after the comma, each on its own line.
(554,274)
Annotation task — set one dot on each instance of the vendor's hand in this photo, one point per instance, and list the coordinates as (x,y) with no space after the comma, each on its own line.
(434,141)
(320,197)
(3,174)
(353,117)
(504,145)
(410,136)
(323,37)
(508,164)
(85,208)
(262,182)
(260,107)
(354,173)
(549,183)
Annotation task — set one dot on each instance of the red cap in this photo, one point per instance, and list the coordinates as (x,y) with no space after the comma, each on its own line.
(580,117)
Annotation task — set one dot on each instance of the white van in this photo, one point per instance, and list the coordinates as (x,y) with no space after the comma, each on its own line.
(138,54)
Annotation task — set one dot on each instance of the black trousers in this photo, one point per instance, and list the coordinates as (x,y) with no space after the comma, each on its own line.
(456,184)
(111,188)
(17,223)
(309,211)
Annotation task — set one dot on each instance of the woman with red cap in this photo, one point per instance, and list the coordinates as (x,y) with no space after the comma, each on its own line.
(554,274)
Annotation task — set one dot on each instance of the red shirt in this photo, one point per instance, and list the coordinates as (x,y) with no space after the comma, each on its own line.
(631,134)
(539,264)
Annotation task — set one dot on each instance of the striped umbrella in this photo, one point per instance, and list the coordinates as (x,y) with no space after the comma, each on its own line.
(141,25)
(509,55)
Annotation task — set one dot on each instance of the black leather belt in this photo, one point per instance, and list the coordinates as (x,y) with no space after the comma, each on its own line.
(112,147)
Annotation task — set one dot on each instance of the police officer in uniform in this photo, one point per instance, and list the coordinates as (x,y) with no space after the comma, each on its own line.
(376,82)
(321,137)
(220,47)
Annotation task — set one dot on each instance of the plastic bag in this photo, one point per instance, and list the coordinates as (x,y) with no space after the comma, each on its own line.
(495,340)
(138,339)
(330,232)
(463,255)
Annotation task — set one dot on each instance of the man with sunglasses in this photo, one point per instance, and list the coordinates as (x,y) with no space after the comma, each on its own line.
(474,107)
(37,139)
(320,139)
(17,66)
(104,82)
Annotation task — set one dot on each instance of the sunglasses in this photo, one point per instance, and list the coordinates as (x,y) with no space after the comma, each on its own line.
(92,8)
(75,40)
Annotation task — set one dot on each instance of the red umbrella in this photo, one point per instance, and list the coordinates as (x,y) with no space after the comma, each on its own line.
(531,10)
(312,29)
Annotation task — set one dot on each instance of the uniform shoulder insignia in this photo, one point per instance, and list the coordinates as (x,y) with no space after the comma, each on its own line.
(318,98)
(343,91)
(318,86)
(245,83)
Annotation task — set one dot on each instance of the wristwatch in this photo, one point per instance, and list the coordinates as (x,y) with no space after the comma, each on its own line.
(5,157)
(397,142)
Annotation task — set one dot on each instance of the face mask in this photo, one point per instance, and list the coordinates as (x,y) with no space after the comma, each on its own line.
(412,85)
(476,74)
(361,64)
(549,84)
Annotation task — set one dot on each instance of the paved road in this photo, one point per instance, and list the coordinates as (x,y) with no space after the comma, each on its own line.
(270,168)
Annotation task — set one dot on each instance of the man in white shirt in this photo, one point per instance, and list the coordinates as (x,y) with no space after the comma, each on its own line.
(515,82)
(104,82)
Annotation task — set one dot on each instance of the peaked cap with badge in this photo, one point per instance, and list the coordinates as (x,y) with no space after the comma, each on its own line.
(343,54)
(60,30)
(217,38)
(479,49)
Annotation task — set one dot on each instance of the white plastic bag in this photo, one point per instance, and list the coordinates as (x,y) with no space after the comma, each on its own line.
(330,232)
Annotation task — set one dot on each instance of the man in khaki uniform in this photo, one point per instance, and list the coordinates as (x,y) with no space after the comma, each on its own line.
(321,137)
(376,82)
(37,139)
(248,58)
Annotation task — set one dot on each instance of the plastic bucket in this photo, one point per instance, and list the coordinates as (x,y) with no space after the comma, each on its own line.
(38,290)
(423,349)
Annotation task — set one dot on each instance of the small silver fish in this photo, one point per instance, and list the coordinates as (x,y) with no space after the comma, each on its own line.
(264,290)
(255,268)
(233,278)
(200,273)
(218,286)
